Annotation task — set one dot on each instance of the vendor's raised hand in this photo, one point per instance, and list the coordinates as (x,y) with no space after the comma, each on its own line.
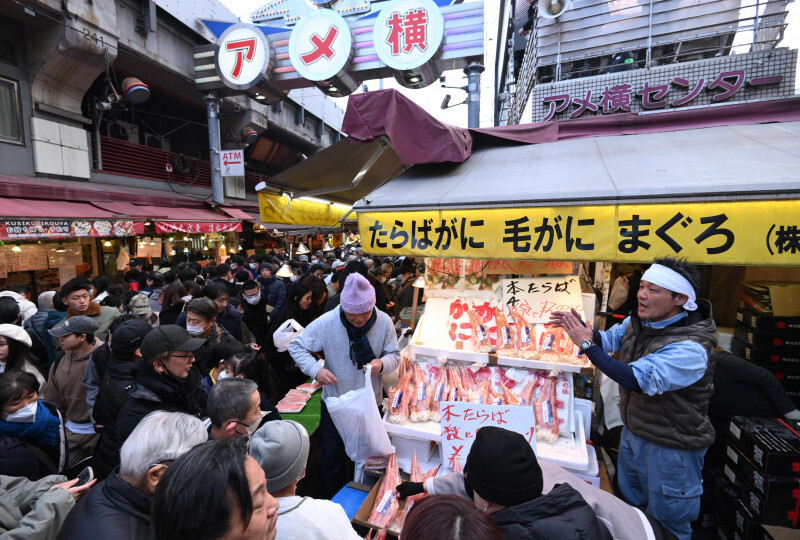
(556,317)
(576,330)
(325,377)
(407,489)
(377,367)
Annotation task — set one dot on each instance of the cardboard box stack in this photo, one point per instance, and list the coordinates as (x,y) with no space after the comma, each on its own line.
(772,342)
(761,483)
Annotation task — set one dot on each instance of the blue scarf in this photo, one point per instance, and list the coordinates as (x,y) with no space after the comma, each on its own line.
(43,430)
(360,350)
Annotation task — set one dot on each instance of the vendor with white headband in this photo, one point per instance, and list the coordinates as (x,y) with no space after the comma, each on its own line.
(665,372)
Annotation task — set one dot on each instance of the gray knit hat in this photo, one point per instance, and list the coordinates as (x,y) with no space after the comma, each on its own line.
(281,449)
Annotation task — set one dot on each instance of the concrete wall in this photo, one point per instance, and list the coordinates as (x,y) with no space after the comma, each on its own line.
(17,158)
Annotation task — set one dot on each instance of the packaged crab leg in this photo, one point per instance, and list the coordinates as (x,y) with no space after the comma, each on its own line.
(545,410)
(550,343)
(421,400)
(467,377)
(505,333)
(510,397)
(480,395)
(385,501)
(457,390)
(526,397)
(524,336)
(439,394)
(399,398)
(480,335)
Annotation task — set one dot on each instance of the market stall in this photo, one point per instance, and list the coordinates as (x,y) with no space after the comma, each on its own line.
(605,194)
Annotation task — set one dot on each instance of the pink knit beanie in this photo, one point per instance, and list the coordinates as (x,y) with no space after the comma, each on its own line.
(358,295)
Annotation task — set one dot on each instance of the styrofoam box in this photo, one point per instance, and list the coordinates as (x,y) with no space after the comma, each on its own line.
(405,448)
(593,471)
(568,451)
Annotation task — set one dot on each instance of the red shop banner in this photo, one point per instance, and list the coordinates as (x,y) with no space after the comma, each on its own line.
(166,227)
(33,229)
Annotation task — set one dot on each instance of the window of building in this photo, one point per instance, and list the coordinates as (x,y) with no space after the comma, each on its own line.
(10,115)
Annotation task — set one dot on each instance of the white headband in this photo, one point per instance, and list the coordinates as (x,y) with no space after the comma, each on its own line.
(673,281)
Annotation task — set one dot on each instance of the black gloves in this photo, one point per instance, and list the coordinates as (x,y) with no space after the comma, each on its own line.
(407,489)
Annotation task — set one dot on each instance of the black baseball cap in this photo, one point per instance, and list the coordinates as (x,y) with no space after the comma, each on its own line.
(128,336)
(134,262)
(168,338)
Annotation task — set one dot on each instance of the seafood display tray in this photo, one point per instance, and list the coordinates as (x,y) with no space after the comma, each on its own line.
(506,361)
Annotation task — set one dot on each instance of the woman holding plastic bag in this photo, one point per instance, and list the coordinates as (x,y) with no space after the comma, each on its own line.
(351,337)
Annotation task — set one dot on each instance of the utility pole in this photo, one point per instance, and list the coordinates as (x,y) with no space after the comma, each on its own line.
(212,107)
(473,72)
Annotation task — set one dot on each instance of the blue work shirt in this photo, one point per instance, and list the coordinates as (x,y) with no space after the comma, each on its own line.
(672,367)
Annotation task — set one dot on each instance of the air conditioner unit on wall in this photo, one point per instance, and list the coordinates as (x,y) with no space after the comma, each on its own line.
(124,131)
(154,141)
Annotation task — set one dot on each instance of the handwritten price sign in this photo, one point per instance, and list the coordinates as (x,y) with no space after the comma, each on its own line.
(461,422)
(537,297)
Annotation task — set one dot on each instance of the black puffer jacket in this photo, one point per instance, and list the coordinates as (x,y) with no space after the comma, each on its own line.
(112,394)
(152,391)
(560,514)
(111,509)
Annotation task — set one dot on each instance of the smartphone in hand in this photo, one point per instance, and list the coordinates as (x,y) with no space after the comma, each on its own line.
(86,476)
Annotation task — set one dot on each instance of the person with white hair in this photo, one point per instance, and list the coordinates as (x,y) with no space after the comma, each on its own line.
(120,505)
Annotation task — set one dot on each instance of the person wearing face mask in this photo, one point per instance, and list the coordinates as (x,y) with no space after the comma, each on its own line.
(281,450)
(164,379)
(234,409)
(226,316)
(220,352)
(119,506)
(201,321)
(256,310)
(32,437)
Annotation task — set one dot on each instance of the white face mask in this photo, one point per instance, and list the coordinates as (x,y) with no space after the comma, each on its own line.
(25,415)
(293,278)
(194,330)
(253,266)
(253,300)
(222,375)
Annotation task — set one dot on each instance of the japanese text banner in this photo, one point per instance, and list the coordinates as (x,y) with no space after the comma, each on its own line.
(746,232)
(167,227)
(276,209)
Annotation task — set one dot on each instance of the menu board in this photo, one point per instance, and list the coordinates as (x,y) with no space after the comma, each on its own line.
(66,273)
(29,257)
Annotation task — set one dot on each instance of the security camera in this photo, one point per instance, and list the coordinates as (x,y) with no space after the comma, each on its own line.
(445,101)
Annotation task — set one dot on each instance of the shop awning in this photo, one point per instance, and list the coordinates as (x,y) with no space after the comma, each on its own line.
(237,213)
(387,134)
(718,186)
(177,220)
(29,219)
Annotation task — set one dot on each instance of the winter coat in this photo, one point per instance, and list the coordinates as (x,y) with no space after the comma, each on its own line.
(32,509)
(28,458)
(111,509)
(255,318)
(26,308)
(274,291)
(152,391)
(113,393)
(170,314)
(562,513)
(64,387)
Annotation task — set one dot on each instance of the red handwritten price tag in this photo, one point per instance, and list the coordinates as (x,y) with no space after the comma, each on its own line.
(462,420)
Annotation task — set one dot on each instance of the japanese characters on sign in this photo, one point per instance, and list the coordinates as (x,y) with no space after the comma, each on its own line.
(537,297)
(245,56)
(408,34)
(232,162)
(679,91)
(197,227)
(746,232)
(321,46)
(31,229)
(461,421)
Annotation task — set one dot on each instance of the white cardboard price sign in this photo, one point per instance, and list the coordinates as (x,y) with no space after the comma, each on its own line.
(462,420)
(536,298)
(232,162)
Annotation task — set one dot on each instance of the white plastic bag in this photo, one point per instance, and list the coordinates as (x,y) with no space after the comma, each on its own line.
(619,293)
(358,422)
(286,333)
